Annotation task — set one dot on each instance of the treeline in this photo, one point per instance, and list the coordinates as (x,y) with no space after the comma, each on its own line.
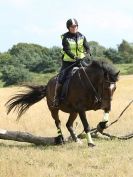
(23,59)
(18,63)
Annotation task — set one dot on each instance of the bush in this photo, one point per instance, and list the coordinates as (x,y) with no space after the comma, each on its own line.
(15,75)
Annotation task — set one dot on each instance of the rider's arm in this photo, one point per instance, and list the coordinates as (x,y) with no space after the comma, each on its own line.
(86,46)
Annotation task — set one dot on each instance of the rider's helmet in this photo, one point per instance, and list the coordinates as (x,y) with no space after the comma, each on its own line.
(71,22)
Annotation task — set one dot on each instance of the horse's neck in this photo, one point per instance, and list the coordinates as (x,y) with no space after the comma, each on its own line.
(95,75)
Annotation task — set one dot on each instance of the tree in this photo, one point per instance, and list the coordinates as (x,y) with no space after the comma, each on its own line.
(126,50)
(43,65)
(15,75)
(96,49)
(4,59)
(35,57)
(125,47)
(56,55)
(113,55)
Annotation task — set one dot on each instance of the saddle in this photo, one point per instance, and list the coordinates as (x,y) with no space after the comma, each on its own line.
(65,87)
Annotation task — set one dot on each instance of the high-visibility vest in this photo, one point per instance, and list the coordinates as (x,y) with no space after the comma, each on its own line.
(77,48)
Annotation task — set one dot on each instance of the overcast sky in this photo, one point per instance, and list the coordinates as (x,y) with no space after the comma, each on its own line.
(43,21)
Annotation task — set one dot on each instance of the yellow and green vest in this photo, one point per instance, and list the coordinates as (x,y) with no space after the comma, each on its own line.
(77,48)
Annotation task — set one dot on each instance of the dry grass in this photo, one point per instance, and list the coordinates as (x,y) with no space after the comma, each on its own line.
(109,158)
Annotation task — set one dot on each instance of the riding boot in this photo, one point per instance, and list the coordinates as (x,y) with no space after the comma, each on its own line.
(56,101)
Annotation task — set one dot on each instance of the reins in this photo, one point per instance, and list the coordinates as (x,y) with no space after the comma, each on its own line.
(97,97)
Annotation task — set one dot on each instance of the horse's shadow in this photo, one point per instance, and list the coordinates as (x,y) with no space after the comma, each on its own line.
(24,146)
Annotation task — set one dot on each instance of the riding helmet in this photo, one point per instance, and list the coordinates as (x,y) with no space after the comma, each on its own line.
(71,22)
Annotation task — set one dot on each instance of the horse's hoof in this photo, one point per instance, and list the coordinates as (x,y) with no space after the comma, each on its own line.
(101,126)
(91,145)
(99,129)
(59,140)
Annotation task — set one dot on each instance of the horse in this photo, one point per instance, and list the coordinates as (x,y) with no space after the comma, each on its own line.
(90,88)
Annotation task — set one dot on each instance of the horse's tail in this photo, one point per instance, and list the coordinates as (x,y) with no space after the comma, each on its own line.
(24,100)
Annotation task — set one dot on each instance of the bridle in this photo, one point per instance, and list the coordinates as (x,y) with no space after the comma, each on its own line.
(105,86)
(108,87)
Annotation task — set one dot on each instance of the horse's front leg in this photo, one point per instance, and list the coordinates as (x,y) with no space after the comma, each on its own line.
(104,123)
(86,126)
(69,126)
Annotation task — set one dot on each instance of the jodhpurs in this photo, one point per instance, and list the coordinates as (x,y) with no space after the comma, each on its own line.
(66,67)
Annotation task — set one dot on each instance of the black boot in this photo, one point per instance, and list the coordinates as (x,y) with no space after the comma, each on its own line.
(56,101)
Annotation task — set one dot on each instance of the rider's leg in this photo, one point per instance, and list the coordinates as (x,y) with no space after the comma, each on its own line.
(61,79)
(58,89)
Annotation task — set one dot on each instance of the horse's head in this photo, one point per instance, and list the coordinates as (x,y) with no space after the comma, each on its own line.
(108,74)
(109,84)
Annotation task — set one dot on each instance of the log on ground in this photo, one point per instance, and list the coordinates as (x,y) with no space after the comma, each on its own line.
(26,137)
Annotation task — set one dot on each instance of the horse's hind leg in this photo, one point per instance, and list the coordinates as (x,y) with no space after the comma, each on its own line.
(59,139)
(69,126)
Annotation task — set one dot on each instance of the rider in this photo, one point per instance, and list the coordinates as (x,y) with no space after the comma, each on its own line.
(75,46)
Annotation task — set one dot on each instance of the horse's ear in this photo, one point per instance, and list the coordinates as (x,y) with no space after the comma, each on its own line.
(116,74)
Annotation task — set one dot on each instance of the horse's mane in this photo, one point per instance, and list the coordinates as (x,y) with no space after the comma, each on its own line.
(106,66)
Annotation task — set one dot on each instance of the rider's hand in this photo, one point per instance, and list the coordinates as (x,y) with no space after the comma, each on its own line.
(78,60)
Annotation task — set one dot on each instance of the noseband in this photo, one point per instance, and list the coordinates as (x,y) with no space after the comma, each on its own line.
(108,90)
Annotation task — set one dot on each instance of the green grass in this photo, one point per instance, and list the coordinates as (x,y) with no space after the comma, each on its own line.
(42,78)
(1,82)
(38,79)
(125,69)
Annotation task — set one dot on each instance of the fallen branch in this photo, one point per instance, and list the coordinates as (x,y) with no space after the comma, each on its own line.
(26,137)
(126,137)
(38,140)
(95,135)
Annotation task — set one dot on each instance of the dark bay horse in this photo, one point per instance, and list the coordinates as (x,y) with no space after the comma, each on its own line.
(90,88)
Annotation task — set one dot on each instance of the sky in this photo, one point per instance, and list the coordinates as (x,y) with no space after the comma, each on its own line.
(42,22)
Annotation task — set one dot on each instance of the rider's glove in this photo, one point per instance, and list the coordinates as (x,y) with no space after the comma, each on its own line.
(78,60)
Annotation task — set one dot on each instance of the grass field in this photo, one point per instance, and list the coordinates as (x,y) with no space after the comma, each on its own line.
(109,158)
